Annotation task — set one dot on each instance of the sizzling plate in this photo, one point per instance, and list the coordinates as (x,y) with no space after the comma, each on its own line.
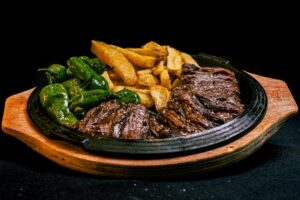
(252,95)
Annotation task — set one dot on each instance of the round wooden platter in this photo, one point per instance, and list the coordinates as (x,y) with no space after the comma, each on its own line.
(281,106)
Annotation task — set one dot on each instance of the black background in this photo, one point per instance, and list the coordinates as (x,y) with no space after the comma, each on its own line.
(262,40)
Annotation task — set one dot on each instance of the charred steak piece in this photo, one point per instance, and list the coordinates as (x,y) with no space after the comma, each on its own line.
(205,98)
(128,121)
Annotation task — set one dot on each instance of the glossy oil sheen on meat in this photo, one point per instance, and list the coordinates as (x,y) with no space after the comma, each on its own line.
(205,98)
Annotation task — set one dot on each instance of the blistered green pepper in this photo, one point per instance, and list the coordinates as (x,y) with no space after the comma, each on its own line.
(71,82)
(57,72)
(89,99)
(95,63)
(127,96)
(83,71)
(55,100)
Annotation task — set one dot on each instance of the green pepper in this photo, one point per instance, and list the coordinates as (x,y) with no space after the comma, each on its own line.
(89,99)
(95,63)
(81,70)
(127,96)
(71,82)
(57,72)
(55,100)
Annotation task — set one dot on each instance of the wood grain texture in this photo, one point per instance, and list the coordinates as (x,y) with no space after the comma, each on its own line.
(281,106)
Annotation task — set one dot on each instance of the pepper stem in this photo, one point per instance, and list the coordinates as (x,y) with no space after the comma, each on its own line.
(44,70)
(49,78)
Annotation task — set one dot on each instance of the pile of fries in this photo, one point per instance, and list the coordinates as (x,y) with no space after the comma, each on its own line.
(151,71)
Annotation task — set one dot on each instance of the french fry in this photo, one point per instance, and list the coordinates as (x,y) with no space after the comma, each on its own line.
(165,80)
(115,59)
(159,68)
(109,82)
(175,83)
(146,100)
(159,50)
(114,76)
(144,71)
(137,59)
(147,80)
(187,59)
(174,61)
(160,96)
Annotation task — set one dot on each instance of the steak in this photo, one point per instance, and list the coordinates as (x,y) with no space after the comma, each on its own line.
(128,121)
(205,98)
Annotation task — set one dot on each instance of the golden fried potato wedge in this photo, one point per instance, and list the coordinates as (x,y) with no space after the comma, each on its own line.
(147,80)
(175,83)
(159,68)
(165,80)
(114,76)
(158,50)
(109,82)
(115,59)
(174,61)
(160,96)
(155,52)
(188,59)
(144,71)
(146,100)
(137,59)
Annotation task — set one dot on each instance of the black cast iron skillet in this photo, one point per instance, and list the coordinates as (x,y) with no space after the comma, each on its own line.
(252,95)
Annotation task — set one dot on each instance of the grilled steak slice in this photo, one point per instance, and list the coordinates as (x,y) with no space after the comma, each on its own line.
(128,121)
(205,98)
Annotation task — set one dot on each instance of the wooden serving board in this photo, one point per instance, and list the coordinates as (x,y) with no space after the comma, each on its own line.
(281,106)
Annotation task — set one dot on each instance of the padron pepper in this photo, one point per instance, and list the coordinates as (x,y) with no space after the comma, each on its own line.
(55,100)
(126,96)
(71,82)
(95,63)
(57,72)
(89,99)
(81,70)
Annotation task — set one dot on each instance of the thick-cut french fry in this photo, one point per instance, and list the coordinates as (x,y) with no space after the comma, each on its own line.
(175,83)
(146,100)
(114,76)
(109,82)
(187,59)
(160,96)
(155,52)
(174,61)
(159,68)
(160,51)
(147,80)
(137,59)
(165,79)
(144,71)
(115,59)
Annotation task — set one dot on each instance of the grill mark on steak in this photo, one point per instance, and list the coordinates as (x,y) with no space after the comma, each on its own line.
(205,98)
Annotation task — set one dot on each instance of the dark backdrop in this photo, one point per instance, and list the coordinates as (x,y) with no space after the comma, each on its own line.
(266,44)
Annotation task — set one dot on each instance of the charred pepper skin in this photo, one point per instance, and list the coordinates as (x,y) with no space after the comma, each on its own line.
(55,100)
(57,72)
(81,70)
